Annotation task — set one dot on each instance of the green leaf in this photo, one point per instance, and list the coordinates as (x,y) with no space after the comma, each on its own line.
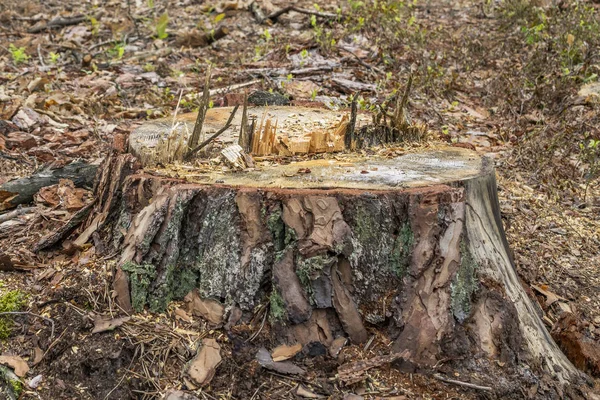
(219,17)
(161,26)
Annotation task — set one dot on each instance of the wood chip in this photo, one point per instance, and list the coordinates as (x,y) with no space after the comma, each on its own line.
(211,310)
(203,367)
(307,394)
(103,325)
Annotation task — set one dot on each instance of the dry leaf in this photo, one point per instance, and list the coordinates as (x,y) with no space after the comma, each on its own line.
(16,363)
(283,352)
(551,298)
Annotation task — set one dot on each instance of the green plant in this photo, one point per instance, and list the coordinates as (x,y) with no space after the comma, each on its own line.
(95,25)
(18,54)
(590,157)
(117,51)
(219,18)
(149,67)
(54,57)
(10,301)
(161,26)
(324,38)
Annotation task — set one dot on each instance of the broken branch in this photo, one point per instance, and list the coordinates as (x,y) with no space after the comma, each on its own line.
(191,153)
(460,383)
(59,22)
(275,15)
(195,138)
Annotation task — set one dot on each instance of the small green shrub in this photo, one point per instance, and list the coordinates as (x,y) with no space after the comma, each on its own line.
(18,54)
(161,26)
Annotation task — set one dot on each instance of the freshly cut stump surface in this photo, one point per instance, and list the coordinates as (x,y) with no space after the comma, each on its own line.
(409,248)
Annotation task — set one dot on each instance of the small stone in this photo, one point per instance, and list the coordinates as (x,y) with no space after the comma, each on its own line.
(263,98)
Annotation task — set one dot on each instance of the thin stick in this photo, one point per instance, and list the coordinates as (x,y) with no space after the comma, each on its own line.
(243,139)
(15,213)
(195,138)
(349,137)
(31,315)
(460,383)
(361,62)
(191,153)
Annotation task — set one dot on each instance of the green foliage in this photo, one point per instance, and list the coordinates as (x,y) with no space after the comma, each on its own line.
(95,25)
(10,301)
(161,26)
(117,51)
(219,18)
(323,37)
(54,57)
(18,54)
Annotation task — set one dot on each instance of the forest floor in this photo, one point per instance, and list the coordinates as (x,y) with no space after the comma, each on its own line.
(516,80)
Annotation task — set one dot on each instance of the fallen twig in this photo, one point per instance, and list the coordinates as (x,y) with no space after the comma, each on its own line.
(59,22)
(191,153)
(230,88)
(15,213)
(361,62)
(460,383)
(31,315)
(274,15)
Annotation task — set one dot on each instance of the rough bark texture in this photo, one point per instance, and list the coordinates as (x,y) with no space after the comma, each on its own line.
(427,266)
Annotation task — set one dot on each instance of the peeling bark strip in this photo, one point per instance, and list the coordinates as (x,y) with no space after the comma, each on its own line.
(428,266)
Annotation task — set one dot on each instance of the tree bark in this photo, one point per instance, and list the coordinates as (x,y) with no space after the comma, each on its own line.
(21,191)
(427,266)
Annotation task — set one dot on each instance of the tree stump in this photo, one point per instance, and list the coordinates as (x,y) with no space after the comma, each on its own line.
(411,247)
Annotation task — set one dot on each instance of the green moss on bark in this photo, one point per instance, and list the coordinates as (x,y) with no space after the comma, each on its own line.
(401,252)
(10,384)
(277,307)
(10,301)
(464,284)
(277,228)
(140,278)
(310,269)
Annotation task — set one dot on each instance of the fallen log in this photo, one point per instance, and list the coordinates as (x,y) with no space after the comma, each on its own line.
(21,191)
(411,248)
